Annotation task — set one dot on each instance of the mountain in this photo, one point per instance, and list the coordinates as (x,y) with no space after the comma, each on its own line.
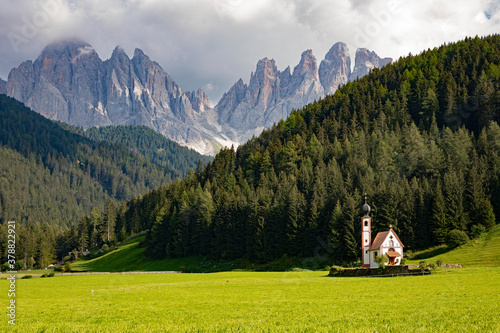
(245,110)
(365,62)
(70,83)
(50,173)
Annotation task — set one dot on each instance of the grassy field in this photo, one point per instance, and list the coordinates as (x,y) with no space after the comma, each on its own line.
(130,257)
(482,252)
(464,300)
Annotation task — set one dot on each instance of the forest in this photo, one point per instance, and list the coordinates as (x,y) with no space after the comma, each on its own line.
(420,137)
(52,174)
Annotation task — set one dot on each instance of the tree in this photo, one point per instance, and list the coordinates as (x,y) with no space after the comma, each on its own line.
(109,221)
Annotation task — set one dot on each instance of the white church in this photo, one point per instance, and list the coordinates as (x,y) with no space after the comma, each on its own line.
(385,243)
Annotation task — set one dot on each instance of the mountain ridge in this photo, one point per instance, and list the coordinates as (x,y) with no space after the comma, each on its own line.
(69,82)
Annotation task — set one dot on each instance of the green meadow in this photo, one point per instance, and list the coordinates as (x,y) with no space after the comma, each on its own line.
(458,300)
(463,300)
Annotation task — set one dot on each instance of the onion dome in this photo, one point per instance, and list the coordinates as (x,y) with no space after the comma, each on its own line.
(366,208)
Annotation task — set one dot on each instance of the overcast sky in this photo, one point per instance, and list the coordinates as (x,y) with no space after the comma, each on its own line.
(212,43)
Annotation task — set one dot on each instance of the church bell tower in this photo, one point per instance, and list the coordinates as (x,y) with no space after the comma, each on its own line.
(366,234)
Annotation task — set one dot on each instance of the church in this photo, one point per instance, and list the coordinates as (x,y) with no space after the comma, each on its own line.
(385,243)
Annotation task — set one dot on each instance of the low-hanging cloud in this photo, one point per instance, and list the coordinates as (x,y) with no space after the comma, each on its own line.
(212,43)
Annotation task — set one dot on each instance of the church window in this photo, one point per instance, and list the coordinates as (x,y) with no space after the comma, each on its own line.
(391,243)
(366,223)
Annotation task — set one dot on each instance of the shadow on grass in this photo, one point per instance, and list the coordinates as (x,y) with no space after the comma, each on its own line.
(432,253)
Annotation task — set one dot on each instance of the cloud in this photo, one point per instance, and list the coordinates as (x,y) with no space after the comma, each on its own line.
(212,43)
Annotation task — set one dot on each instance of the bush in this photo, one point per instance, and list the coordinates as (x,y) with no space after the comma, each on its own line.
(381,260)
(298,269)
(456,238)
(59,269)
(27,277)
(105,248)
(67,258)
(335,270)
(67,266)
(5,267)
(19,265)
(51,274)
(423,265)
(439,262)
(477,230)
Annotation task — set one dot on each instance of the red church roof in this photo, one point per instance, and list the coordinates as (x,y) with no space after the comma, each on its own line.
(380,238)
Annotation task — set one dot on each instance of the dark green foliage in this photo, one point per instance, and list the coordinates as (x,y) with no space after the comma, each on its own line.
(457,238)
(413,135)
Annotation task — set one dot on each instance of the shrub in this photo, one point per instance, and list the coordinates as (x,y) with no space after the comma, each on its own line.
(335,270)
(477,230)
(19,265)
(27,277)
(105,248)
(5,267)
(298,269)
(439,262)
(381,260)
(51,274)
(67,266)
(423,265)
(59,269)
(456,238)
(67,258)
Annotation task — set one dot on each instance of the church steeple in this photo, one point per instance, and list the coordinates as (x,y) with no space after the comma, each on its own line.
(366,209)
(366,232)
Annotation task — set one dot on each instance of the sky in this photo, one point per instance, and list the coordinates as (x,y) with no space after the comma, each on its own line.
(210,44)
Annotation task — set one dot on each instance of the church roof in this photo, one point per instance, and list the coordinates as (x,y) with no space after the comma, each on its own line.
(380,238)
(393,254)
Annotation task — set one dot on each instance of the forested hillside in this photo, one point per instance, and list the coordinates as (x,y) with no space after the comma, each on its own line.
(50,177)
(151,144)
(420,137)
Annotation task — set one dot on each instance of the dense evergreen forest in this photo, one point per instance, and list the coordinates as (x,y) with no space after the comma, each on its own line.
(53,174)
(420,137)
(151,144)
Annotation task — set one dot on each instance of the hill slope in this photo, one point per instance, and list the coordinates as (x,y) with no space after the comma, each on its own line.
(52,174)
(484,252)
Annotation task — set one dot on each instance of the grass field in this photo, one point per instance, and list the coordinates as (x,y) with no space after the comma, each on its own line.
(130,257)
(482,252)
(464,300)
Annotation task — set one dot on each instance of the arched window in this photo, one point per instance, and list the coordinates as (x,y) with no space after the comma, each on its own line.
(366,223)
(391,243)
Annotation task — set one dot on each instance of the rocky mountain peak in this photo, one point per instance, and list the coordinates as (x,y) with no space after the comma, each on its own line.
(335,69)
(366,61)
(307,65)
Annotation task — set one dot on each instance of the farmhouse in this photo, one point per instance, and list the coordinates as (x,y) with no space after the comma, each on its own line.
(386,243)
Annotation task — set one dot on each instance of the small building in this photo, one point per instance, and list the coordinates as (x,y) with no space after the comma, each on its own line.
(385,243)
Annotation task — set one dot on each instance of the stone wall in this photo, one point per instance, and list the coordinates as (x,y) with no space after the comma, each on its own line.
(389,270)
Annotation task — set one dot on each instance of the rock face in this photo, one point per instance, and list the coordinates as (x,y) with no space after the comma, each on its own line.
(365,62)
(70,83)
(3,87)
(271,95)
(335,69)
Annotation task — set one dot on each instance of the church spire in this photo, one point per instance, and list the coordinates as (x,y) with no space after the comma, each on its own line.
(366,208)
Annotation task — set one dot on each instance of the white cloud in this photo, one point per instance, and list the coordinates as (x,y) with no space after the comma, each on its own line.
(212,43)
